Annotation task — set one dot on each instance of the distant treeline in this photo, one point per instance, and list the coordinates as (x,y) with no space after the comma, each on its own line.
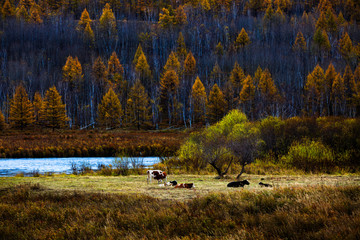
(184,62)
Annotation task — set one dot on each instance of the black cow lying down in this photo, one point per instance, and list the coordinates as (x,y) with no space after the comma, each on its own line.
(264,184)
(238,183)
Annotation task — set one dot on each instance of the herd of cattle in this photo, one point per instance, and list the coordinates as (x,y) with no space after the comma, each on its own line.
(161,177)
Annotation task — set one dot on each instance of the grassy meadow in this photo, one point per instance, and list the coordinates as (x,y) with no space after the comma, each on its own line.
(126,207)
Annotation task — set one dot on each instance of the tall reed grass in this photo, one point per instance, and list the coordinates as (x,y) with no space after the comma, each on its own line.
(32,212)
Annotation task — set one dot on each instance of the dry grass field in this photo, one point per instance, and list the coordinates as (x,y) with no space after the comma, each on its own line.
(98,207)
(204,184)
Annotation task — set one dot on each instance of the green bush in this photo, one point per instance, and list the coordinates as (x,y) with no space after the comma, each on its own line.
(310,156)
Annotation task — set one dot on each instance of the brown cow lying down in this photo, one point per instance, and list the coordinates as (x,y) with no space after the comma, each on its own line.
(185,185)
(157,175)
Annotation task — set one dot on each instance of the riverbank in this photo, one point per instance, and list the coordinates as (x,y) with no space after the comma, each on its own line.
(92,207)
(89,143)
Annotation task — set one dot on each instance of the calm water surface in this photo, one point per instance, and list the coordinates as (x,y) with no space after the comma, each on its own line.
(12,166)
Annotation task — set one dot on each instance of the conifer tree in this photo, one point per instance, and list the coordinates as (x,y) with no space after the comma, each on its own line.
(107,21)
(190,65)
(216,76)
(237,77)
(257,76)
(331,22)
(247,94)
(356,90)
(348,78)
(2,121)
(143,71)
(21,109)
(180,16)
(99,71)
(242,40)
(110,110)
(138,53)
(89,36)
(37,103)
(72,71)
(7,10)
(198,101)
(216,105)
(268,92)
(107,28)
(137,108)
(338,95)
(115,70)
(330,76)
(169,84)
(219,50)
(53,112)
(346,47)
(321,41)
(165,19)
(300,43)
(84,20)
(181,48)
(172,63)
(35,15)
(321,22)
(314,89)
(21,13)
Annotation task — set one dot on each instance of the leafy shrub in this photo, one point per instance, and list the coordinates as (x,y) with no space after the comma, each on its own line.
(310,156)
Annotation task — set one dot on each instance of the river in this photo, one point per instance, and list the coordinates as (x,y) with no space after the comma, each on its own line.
(13,166)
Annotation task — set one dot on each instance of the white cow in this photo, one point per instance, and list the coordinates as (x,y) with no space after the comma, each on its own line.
(156,174)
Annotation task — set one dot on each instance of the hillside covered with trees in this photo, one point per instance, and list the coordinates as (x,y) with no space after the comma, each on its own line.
(148,64)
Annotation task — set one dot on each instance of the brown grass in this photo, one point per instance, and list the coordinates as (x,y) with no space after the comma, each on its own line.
(65,207)
(88,143)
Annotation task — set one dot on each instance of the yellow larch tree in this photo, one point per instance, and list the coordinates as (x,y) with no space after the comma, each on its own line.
(21,109)
(180,16)
(165,19)
(330,76)
(237,77)
(7,9)
(99,71)
(115,70)
(247,95)
(300,43)
(137,107)
(169,84)
(84,20)
(138,53)
(107,23)
(53,112)
(190,65)
(346,47)
(216,105)
(181,48)
(314,89)
(348,78)
(198,101)
(269,94)
(2,121)
(72,71)
(143,71)
(37,103)
(242,40)
(172,63)
(338,95)
(110,110)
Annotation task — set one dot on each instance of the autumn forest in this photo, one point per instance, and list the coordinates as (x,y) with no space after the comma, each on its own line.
(150,64)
